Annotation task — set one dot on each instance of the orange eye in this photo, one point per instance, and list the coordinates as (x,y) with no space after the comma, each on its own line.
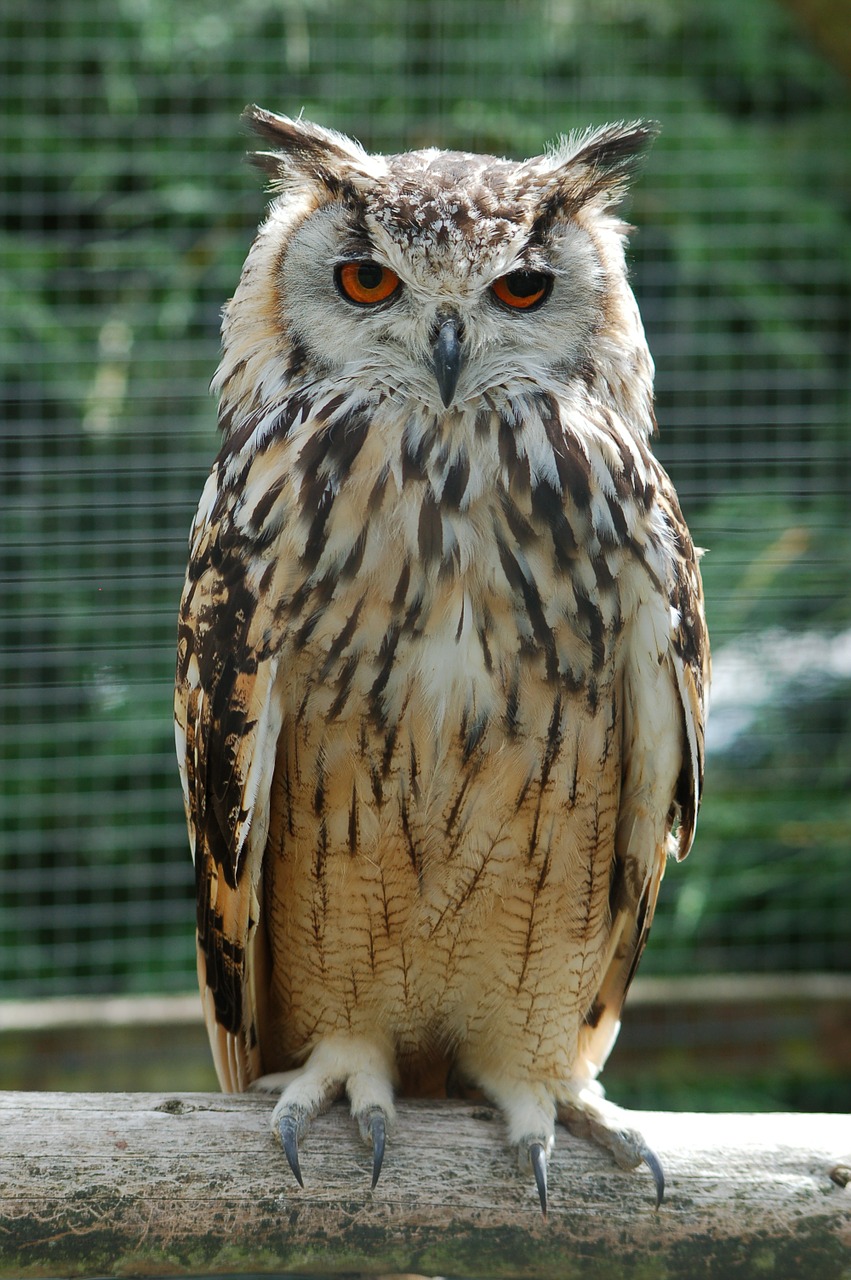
(522,290)
(366,282)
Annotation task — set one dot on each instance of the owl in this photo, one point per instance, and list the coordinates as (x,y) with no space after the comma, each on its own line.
(442,657)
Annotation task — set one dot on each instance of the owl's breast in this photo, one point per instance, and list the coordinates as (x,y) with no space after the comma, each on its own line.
(442,825)
(450,750)
(452,654)
(445,570)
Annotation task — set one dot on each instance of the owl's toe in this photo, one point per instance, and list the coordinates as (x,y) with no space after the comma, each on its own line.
(291,1124)
(587,1114)
(373,1129)
(291,1121)
(654,1164)
(338,1064)
(534,1150)
(529,1110)
(538,1160)
(373,1122)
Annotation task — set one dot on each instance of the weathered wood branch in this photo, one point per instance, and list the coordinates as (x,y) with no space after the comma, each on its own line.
(158,1184)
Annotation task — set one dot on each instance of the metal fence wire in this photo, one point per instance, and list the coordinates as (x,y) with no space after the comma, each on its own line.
(126,211)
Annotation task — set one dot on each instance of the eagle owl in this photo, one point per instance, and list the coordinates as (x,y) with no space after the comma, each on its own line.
(442,656)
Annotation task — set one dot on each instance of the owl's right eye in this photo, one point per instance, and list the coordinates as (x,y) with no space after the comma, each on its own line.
(366,283)
(522,290)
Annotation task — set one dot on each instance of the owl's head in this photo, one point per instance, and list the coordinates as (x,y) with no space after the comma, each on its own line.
(434,276)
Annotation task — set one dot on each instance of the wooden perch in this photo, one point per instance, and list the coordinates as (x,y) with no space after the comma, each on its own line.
(159,1184)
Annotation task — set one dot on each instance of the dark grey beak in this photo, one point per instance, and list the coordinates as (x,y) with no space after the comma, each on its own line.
(448,357)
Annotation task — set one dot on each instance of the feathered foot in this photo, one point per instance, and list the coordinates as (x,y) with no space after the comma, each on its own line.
(587,1114)
(532,1107)
(529,1110)
(338,1064)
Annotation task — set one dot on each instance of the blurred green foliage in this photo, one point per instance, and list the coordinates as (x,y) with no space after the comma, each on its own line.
(126,215)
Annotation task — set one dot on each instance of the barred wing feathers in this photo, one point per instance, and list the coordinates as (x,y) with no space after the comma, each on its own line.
(227,722)
(666,685)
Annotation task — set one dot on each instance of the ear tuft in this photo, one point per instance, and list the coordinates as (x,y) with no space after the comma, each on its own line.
(303,150)
(595,167)
(615,149)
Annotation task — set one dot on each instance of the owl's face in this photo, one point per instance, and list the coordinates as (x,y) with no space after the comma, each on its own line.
(439,277)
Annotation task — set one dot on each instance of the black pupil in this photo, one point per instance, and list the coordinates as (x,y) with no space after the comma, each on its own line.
(523,284)
(370,275)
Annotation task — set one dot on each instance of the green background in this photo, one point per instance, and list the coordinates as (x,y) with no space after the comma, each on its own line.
(126,211)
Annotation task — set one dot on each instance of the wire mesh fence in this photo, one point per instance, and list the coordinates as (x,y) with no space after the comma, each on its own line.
(126,213)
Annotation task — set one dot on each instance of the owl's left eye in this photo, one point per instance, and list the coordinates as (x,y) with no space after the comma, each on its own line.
(366,282)
(522,290)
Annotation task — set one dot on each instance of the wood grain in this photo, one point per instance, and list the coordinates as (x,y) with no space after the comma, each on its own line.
(182,1184)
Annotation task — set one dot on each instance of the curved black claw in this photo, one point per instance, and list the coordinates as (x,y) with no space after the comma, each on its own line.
(288,1129)
(538,1157)
(654,1164)
(378,1134)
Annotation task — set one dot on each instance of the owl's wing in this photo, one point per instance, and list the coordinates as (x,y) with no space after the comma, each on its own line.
(666,682)
(227,722)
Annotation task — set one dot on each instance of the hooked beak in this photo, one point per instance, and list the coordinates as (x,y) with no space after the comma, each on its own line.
(448,357)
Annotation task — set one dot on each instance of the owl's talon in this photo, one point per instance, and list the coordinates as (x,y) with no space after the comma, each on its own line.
(288,1129)
(589,1115)
(538,1158)
(654,1164)
(378,1135)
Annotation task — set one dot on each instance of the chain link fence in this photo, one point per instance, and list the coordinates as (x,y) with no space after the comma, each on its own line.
(125,214)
